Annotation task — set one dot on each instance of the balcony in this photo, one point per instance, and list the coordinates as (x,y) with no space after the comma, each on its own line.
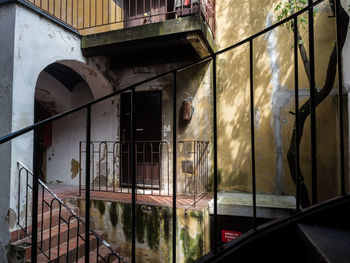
(138,31)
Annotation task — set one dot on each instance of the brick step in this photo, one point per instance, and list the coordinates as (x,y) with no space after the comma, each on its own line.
(45,207)
(44,220)
(45,244)
(68,255)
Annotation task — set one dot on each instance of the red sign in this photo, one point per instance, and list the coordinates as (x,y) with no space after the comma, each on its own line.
(227,235)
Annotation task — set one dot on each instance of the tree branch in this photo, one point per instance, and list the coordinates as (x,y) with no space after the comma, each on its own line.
(304,111)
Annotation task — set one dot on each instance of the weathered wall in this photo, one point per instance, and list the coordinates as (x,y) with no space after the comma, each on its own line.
(7,24)
(194,82)
(273,101)
(33,33)
(153,230)
(62,157)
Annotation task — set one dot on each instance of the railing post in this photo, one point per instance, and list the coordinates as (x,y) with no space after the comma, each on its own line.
(251,70)
(296,97)
(133,176)
(215,149)
(312,103)
(340,101)
(87,183)
(36,169)
(174,163)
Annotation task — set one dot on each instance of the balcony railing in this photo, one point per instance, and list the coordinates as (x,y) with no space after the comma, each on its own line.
(111,171)
(95,16)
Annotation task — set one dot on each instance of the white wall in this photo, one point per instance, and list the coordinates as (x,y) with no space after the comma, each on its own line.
(63,154)
(37,43)
(7,23)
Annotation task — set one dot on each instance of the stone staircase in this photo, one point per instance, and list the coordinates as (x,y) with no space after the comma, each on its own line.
(61,235)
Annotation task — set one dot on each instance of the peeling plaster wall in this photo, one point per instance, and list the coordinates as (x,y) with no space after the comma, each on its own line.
(38,43)
(273,101)
(7,24)
(195,82)
(153,230)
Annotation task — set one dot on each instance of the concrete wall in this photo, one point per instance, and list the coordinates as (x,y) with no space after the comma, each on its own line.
(7,24)
(153,229)
(273,101)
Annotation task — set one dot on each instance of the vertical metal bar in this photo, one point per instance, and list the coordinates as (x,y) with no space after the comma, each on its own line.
(215,150)
(312,104)
(83,14)
(174,164)
(133,177)
(99,167)
(87,183)
(251,70)
(36,169)
(108,7)
(19,197)
(59,228)
(297,128)
(42,217)
(27,186)
(340,101)
(80,168)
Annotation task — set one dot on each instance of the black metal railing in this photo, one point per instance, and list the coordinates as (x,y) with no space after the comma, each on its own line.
(213,57)
(110,167)
(195,168)
(152,167)
(104,15)
(70,225)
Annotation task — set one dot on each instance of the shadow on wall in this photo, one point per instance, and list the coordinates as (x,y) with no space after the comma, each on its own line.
(273,101)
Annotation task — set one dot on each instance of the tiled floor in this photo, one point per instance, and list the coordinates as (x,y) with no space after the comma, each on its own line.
(182,200)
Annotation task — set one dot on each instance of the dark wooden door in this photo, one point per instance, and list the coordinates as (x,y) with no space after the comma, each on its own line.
(148,123)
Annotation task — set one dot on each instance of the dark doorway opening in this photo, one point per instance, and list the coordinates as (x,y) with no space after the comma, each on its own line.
(45,138)
(148,135)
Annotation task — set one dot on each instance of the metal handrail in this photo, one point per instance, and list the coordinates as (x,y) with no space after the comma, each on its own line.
(73,215)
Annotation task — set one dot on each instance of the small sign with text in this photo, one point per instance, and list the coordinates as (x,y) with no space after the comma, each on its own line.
(227,235)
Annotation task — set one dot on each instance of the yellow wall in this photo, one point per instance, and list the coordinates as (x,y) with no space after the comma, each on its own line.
(89,16)
(273,101)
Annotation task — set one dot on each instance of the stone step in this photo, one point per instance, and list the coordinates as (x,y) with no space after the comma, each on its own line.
(44,220)
(325,244)
(69,251)
(48,242)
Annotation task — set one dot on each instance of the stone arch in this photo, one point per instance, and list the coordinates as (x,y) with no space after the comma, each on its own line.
(61,86)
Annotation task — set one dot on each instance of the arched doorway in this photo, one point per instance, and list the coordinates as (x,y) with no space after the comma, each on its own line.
(62,86)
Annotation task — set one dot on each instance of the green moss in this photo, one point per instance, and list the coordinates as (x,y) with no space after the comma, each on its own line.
(100,205)
(113,214)
(153,228)
(140,230)
(197,215)
(166,216)
(192,247)
(126,220)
